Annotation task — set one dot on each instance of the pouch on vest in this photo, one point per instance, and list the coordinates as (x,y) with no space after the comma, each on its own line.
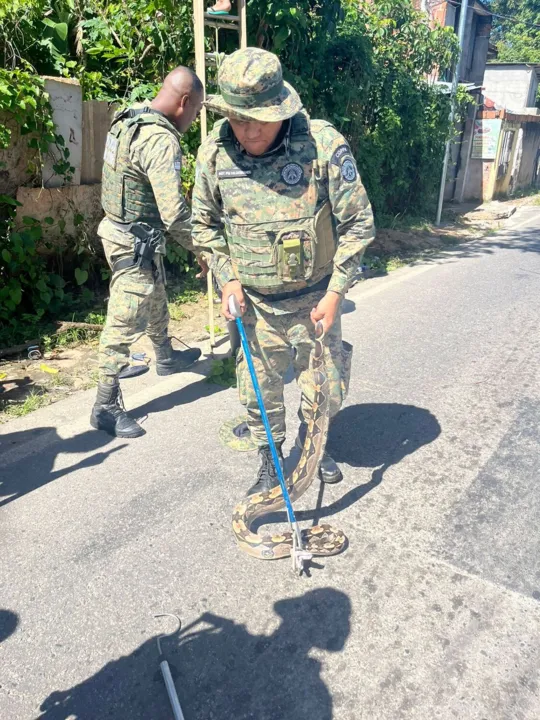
(294,255)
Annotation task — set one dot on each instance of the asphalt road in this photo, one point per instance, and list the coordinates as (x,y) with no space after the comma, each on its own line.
(432,612)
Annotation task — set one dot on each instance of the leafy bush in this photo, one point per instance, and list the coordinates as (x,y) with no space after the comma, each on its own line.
(361,65)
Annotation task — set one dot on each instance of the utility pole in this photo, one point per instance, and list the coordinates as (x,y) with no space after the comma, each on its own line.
(455,81)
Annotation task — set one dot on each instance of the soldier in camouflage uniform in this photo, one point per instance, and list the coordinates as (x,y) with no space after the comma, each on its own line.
(142,198)
(280,206)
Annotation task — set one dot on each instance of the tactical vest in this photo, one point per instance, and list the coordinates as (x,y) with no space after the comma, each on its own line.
(277,215)
(126,194)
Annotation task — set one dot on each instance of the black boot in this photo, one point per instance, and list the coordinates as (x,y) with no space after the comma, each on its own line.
(109,414)
(169,361)
(241,430)
(329,472)
(266,477)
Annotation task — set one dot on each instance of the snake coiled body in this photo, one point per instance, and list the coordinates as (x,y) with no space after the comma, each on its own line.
(318,540)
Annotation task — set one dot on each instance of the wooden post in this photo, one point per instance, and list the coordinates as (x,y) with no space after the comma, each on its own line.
(199,23)
(242,30)
(200,62)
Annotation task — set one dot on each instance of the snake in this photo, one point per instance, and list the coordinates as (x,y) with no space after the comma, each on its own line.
(317,540)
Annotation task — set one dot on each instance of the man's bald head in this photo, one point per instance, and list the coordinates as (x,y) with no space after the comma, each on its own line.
(180,97)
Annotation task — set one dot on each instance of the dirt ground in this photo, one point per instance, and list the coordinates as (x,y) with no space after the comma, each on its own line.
(29,384)
(32,383)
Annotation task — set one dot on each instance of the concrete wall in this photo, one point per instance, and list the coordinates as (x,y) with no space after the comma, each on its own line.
(18,163)
(477,68)
(481,177)
(96,119)
(62,203)
(531,102)
(529,155)
(482,181)
(464,166)
(66,101)
(84,128)
(509,86)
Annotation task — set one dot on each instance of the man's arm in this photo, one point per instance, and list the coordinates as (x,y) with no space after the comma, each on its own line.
(352,211)
(159,157)
(208,229)
(354,221)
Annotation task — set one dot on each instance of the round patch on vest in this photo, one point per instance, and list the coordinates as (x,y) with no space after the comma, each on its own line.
(348,171)
(292,174)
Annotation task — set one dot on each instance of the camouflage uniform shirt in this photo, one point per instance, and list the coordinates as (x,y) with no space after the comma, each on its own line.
(155,154)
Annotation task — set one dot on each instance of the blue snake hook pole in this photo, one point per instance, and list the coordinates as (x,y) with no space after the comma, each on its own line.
(298,554)
(234,309)
(166,670)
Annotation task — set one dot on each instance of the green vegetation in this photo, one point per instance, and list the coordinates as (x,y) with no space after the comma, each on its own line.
(361,65)
(33,401)
(223,372)
(217,330)
(516,37)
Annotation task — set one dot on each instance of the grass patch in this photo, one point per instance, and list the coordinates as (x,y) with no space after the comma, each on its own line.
(31,328)
(33,401)
(176,312)
(223,372)
(58,381)
(405,223)
(395,263)
(217,330)
(185,290)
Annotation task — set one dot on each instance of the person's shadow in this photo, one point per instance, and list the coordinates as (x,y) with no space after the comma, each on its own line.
(370,435)
(8,624)
(379,435)
(32,472)
(221,670)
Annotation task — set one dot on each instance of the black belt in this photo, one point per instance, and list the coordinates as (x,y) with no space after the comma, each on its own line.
(276,297)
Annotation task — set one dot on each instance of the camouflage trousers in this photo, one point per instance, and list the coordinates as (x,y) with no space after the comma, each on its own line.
(276,341)
(137,305)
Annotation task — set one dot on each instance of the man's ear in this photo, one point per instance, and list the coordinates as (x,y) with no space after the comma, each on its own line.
(184,102)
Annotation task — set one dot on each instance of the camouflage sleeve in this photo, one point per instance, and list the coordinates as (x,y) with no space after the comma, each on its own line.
(208,229)
(351,209)
(159,157)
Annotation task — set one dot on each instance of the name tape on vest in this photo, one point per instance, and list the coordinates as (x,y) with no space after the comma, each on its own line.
(233,173)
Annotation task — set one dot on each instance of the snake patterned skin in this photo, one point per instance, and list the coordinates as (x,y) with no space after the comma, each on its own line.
(318,540)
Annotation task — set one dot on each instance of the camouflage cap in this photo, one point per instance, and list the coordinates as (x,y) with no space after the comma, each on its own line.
(252,87)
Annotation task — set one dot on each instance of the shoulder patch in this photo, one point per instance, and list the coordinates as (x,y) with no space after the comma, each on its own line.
(348,170)
(340,153)
(292,174)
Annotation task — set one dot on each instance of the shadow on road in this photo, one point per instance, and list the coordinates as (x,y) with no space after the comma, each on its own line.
(379,435)
(223,671)
(188,394)
(525,240)
(372,435)
(8,624)
(34,471)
